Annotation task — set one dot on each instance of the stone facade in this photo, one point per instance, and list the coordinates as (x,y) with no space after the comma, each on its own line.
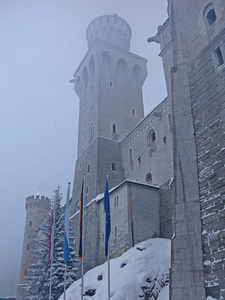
(166,170)
(192,47)
(115,138)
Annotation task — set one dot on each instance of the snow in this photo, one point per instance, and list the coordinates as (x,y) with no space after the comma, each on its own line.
(147,260)
(210,298)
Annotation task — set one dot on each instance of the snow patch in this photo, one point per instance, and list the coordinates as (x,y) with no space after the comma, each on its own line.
(144,270)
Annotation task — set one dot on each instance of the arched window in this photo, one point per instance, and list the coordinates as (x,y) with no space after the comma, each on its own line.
(151,137)
(85,76)
(151,141)
(92,65)
(131,158)
(148,177)
(210,15)
(92,131)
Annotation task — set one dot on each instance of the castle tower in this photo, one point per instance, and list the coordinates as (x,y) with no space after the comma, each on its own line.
(109,84)
(192,44)
(37,208)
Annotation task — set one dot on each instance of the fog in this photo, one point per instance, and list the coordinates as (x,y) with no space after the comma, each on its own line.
(42,42)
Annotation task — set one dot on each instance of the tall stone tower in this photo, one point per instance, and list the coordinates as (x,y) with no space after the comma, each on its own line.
(37,212)
(109,84)
(192,44)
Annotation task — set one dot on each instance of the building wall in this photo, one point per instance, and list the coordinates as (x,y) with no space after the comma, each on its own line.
(144,202)
(208,104)
(155,157)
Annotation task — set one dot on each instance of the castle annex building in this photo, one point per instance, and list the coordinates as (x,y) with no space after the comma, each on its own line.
(167,169)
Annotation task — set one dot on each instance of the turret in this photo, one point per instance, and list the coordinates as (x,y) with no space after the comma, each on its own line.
(37,208)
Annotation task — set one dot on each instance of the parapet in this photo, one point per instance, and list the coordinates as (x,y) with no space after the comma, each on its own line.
(110,28)
(37,200)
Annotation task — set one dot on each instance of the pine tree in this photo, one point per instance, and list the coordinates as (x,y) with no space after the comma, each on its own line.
(38,288)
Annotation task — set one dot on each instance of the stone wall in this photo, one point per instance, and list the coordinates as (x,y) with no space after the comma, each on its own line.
(144,200)
(208,104)
(148,159)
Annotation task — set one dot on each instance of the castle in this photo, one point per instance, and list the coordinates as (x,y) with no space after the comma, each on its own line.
(166,170)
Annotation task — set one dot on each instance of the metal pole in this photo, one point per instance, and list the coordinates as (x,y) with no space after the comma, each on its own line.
(50,287)
(108,276)
(82,262)
(65,282)
(52,249)
(131,218)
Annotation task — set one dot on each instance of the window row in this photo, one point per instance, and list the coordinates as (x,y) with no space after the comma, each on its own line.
(113,167)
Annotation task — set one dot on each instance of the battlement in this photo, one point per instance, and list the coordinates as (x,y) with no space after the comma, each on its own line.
(111,29)
(37,200)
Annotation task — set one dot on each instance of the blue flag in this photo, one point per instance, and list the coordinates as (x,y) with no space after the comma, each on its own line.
(66,233)
(107,216)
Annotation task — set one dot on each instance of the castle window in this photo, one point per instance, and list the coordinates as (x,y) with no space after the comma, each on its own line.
(86,190)
(77,205)
(114,128)
(88,168)
(133,112)
(110,83)
(103,238)
(170,122)
(91,108)
(30,224)
(28,247)
(219,57)
(116,201)
(131,158)
(115,231)
(80,164)
(85,76)
(92,87)
(210,15)
(148,177)
(25,272)
(92,65)
(92,130)
(114,167)
(151,136)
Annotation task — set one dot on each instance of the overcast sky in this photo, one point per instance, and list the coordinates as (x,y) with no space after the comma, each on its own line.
(42,43)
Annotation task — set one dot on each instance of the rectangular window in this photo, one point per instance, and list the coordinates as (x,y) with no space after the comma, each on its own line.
(113,167)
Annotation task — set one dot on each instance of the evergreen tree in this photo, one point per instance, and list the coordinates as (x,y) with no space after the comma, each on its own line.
(39,282)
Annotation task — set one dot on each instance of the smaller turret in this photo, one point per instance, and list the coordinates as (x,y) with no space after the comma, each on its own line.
(37,208)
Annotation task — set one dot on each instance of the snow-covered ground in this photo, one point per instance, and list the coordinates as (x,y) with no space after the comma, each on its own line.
(143,268)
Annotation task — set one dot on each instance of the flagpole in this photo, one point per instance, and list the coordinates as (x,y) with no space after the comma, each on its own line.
(107,228)
(64,297)
(108,276)
(50,288)
(52,247)
(82,262)
(66,236)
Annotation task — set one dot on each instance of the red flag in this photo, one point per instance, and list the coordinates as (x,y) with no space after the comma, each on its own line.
(81,220)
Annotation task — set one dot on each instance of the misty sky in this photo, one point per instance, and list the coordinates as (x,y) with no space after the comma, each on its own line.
(42,43)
